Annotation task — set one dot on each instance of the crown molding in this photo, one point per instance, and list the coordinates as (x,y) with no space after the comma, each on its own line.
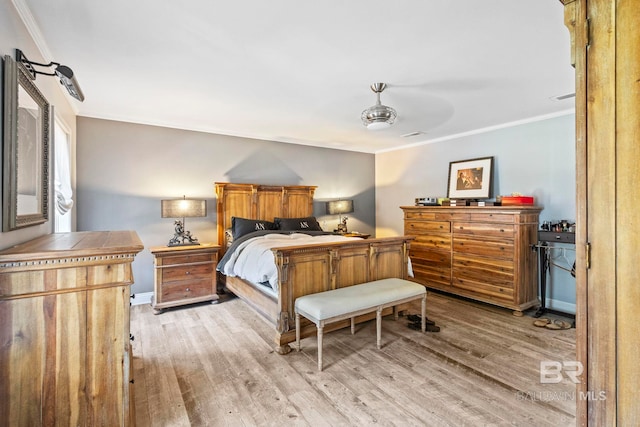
(33,28)
(483,130)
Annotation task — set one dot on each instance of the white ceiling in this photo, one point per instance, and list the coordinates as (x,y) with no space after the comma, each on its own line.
(299,71)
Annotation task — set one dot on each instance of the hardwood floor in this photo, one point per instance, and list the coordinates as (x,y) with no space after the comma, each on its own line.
(214,365)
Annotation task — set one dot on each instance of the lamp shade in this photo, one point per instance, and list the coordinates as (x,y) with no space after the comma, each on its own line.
(337,207)
(184,208)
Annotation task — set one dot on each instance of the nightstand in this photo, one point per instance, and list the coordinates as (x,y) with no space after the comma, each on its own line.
(184,275)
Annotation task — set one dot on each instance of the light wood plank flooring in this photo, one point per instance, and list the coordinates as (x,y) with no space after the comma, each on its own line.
(214,365)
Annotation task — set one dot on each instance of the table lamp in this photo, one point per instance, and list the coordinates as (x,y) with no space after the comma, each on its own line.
(183,208)
(339,207)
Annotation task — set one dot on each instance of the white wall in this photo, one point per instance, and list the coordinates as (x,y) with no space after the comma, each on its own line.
(125,169)
(536,158)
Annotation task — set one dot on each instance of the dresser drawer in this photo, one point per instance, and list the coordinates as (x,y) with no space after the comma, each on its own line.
(187,272)
(488,278)
(484,229)
(418,227)
(430,258)
(487,290)
(494,217)
(481,266)
(435,277)
(485,270)
(180,291)
(436,214)
(432,241)
(488,248)
(420,215)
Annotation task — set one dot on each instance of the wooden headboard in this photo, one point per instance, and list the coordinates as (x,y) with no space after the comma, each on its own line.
(258,201)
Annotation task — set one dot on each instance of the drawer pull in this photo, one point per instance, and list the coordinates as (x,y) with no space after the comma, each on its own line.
(187,272)
(188,290)
(501,230)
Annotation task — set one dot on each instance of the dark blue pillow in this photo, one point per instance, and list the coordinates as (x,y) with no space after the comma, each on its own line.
(242,226)
(309,223)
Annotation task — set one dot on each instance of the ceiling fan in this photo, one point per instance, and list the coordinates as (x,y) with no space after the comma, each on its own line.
(378,116)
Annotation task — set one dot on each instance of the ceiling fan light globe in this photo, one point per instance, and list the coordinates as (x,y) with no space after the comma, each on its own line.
(378,125)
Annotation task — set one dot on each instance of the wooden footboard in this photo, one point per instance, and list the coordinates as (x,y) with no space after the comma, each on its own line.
(309,269)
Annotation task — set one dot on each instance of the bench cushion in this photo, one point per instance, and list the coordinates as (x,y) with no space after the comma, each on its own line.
(325,305)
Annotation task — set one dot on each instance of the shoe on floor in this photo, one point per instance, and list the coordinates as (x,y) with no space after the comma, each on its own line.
(558,324)
(542,322)
(418,327)
(418,318)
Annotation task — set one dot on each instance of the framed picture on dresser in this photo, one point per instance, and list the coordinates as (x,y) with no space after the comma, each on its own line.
(470,179)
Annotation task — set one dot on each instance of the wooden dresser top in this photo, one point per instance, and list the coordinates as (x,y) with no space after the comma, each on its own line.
(76,244)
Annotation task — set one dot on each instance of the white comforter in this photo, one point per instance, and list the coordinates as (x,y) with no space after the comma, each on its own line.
(253,259)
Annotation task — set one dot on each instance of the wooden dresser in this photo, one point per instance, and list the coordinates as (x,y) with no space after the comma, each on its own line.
(484,253)
(65,354)
(184,275)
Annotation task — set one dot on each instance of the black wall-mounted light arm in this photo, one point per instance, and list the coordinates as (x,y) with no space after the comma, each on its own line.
(64,73)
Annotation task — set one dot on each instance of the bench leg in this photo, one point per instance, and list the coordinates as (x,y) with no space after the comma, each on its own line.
(379,327)
(298,331)
(353,325)
(424,313)
(320,327)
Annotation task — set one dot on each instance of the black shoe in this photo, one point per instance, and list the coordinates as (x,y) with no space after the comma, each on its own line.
(418,318)
(429,327)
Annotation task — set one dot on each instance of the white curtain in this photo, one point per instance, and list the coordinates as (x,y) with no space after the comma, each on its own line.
(64,194)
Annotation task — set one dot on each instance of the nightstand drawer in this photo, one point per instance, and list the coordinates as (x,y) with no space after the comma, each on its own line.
(185,259)
(180,291)
(187,272)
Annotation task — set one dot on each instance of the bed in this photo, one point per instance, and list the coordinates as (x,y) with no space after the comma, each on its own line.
(302,267)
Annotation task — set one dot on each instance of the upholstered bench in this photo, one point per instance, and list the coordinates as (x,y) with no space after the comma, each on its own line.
(351,301)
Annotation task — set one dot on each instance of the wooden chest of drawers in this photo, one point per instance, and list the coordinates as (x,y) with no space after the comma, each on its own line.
(484,253)
(65,355)
(184,275)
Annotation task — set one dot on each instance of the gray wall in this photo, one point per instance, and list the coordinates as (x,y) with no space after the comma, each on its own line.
(124,170)
(535,159)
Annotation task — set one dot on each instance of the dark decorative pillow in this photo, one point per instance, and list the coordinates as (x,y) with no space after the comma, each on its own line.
(242,226)
(309,223)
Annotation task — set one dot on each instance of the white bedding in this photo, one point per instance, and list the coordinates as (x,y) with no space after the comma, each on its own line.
(253,259)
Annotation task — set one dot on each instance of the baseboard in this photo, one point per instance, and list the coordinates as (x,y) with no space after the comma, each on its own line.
(142,298)
(564,307)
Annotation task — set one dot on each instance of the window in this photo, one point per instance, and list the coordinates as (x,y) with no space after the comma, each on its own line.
(63,192)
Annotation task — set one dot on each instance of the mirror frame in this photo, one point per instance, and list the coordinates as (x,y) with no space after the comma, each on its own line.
(16,75)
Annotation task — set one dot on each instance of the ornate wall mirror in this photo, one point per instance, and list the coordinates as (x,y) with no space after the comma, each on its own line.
(25,176)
